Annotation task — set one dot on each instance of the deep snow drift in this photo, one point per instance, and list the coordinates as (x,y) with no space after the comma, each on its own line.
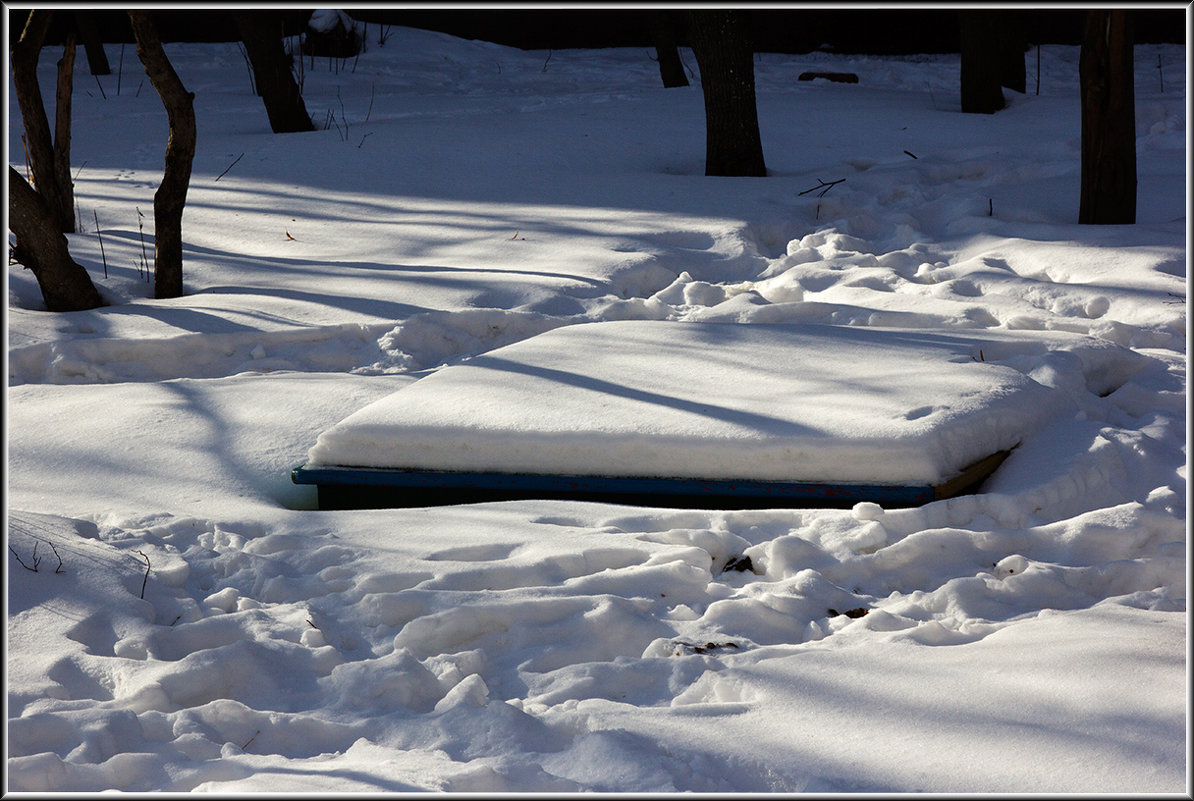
(207,629)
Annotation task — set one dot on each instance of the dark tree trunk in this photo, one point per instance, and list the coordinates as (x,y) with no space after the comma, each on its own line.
(663,33)
(261,32)
(171,197)
(65,285)
(62,111)
(1012,44)
(980,62)
(1108,194)
(38,142)
(97,59)
(721,42)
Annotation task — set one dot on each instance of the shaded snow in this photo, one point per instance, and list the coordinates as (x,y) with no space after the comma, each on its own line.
(1030,638)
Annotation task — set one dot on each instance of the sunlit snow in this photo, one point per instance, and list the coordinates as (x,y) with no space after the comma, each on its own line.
(185,619)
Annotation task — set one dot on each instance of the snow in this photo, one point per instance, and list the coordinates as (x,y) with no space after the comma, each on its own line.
(209,630)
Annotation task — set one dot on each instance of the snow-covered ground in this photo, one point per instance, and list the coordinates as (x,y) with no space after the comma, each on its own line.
(209,629)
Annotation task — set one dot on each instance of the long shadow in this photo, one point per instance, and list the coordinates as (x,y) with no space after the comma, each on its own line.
(762,422)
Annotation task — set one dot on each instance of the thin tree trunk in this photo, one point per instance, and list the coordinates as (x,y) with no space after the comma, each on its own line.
(721,41)
(38,142)
(171,196)
(981,93)
(1108,193)
(62,112)
(261,33)
(41,247)
(663,32)
(97,59)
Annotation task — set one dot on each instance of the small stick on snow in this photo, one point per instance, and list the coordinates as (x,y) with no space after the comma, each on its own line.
(823,186)
(230,166)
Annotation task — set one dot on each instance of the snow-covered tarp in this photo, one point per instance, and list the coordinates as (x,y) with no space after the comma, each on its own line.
(721,401)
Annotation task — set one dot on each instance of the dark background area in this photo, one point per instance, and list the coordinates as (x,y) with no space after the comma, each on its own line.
(798,30)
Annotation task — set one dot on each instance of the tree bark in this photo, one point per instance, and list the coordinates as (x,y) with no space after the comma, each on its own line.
(41,247)
(663,33)
(171,196)
(97,59)
(261,33)
(721,42)
(981,93)
(1108,193)
(38,141)
(62,112)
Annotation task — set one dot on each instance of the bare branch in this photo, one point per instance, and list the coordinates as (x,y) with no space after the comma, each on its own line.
(21,562)
(823,186)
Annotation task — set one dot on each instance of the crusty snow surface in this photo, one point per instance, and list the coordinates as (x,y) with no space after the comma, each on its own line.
(182,618)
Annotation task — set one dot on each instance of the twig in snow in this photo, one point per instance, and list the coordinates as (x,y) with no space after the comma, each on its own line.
(59,568)
(910,153)
(363,138)
(372,90)
(250,740)
(823,186)
(101,242)
(230,166)
(1160,77)
(549,52)
(36,559)
(146,579)
(144,253)
(343,113)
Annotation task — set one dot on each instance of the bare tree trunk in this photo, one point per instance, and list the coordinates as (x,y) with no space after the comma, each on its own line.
(663,32)
(261,32)
(1012,44)
(980,62)
(97,59)
(1108,194)
(38,141)
(41,247)
(171,197)
(721,41)
(62,112)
